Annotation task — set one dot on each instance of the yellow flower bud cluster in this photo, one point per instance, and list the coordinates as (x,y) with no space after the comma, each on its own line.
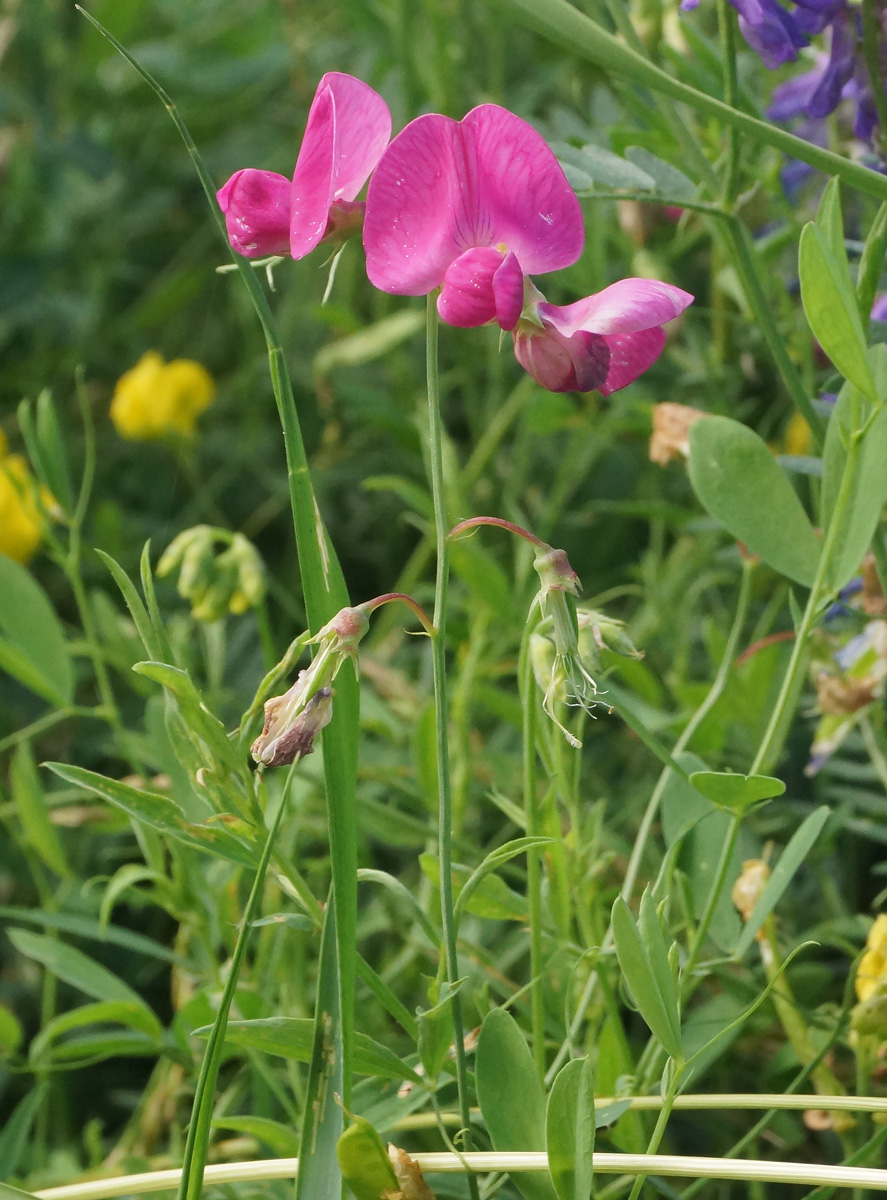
(156,399)
(21,523)
(872,969)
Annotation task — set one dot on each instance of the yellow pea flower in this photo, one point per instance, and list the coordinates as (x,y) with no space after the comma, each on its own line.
(156,398)
(872,968)
(797,439)
(21,525)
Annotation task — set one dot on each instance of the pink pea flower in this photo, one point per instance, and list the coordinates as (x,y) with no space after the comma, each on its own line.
(348,128)
(474,208)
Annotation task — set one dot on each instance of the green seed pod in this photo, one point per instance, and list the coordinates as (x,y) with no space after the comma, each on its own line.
(364,1162)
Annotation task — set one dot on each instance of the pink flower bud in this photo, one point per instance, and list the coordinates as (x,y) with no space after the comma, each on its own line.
(256,205)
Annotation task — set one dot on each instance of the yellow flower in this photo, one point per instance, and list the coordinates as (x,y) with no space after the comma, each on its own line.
(797,438)
(21,525)
(155,398)
(872,968)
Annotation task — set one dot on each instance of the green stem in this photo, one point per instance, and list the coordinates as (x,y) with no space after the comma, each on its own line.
(534,878)
(196,1146)
(565,25)
(714,897)
(727,32)
(872,36)
(658,1131)
(775,732)
(652,809)
(441,715)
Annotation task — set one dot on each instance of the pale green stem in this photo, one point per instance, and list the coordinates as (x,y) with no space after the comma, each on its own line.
(775,732)
(727,33)
(441,715)
(675,1166)
(649,817)
(714,896)
(534,877)
(659,1129)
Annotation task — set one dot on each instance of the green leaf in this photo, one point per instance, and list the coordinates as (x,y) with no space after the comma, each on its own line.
(33,648)
(502,854)
(160,813)
(11,1032)
(27,794)
(292,1037)
(831,221)
(436,1028)
(281,1139)
(136,606)
(322,1125)
(74,967)
(199,719)
(569,1131)
(14,1136)
(868,485)
(871,263)
(364,1162)
(669,180)
(86,927)
(655,1006)
(738,481)
(510,1096)
(594,165)
(135,1016)
(492,897)
(800,844)
(736,793)
(831,308)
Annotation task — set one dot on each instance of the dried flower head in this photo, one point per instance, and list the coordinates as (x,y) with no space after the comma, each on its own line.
(671,430)
(749,885)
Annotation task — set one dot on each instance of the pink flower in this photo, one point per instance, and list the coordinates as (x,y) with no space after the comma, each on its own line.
(604,341)
(477,206)
(348,128)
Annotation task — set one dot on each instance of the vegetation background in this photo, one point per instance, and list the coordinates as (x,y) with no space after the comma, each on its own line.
(107,251)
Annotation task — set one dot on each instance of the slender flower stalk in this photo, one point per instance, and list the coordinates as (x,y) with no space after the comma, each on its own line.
(441,715)
(675,1166)
(534,876)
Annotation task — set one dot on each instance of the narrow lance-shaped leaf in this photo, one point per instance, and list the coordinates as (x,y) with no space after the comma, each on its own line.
(654,1006)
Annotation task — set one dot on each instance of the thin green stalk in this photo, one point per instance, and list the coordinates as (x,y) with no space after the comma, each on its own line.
(534,877)
(652,809)
(658,1131)
(872,36)
(565,25)
(714,897)
(194,1160)
(775,732)
(324,590)
(727,34)
(441,716)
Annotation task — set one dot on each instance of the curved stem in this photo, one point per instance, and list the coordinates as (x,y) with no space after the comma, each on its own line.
(441,715)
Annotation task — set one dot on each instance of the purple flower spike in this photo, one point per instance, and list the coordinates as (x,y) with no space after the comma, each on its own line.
(256,205)
(348,128)
(444,187)
(769,30)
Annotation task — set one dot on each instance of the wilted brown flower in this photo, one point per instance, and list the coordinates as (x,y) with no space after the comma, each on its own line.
(671,429)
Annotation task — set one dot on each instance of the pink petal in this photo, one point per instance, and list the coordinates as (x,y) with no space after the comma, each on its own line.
(467,298)
(630,355)
(347,130)
(562,364)
(418,219)
(624,307)
(443,187)
(256,207)
(508,291)
(525,197)
(363,130)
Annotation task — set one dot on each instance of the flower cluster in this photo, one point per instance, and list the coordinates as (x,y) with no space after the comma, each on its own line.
(872,969)
(469,208)
(156,399)
(21,519)
(215,583)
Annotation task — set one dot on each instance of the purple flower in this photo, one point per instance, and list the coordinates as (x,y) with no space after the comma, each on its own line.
(768,28)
